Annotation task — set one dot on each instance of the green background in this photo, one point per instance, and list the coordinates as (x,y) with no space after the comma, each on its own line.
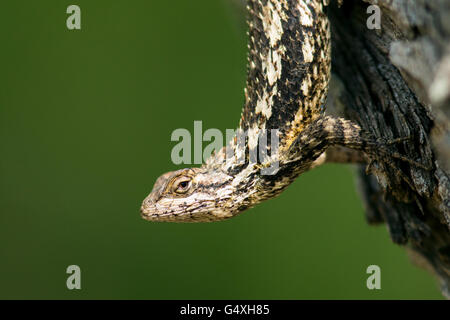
(86,118)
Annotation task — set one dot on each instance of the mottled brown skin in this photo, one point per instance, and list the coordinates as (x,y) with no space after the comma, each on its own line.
(287,83)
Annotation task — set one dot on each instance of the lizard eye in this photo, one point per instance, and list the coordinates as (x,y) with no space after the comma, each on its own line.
(181,185)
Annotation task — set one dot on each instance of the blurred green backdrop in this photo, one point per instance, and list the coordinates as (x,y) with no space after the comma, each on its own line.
(86,118)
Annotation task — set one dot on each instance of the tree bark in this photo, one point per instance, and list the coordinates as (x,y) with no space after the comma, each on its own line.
(395,82)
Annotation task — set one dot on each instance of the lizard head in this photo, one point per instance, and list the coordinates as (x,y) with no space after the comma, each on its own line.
(189,195)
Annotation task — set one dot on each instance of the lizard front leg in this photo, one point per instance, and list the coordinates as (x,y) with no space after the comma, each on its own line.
(340,154)
(335,136)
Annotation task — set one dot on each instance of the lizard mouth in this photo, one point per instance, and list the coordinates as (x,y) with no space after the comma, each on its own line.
(144,213)
(148,213)
(150,216)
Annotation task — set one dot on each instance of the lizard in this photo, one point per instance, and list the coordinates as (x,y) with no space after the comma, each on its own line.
(288,74)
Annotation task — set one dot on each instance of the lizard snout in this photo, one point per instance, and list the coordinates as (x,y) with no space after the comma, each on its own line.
(147,207)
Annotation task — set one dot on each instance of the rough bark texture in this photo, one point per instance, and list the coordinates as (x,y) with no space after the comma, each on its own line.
(395,82)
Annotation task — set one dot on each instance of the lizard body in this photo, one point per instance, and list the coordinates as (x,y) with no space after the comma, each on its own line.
(288,73)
